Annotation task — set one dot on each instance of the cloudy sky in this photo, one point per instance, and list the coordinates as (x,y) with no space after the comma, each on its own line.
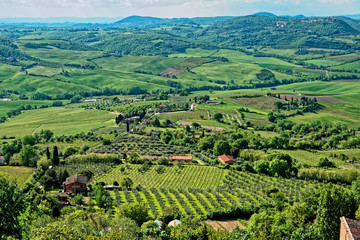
(173,8)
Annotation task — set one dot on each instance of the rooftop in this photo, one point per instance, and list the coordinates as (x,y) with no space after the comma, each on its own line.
(352,228)
(226,158)
(76,178)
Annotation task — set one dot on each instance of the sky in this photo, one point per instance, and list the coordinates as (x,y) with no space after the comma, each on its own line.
(173,8)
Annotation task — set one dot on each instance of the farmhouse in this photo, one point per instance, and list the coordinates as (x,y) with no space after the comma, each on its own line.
(2,161)
(75,184)
(349,229)
(181,158)
(226,159)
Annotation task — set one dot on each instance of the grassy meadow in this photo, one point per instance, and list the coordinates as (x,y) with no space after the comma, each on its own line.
(18,175)
(57,119)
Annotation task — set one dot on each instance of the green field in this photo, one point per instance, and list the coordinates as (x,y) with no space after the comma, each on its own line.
(6,106)
(59,120)
(322,88)
(19,175)
(172,177)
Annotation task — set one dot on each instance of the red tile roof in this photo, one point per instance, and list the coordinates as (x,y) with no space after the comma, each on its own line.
(351,228)
(76,178)
(226,159)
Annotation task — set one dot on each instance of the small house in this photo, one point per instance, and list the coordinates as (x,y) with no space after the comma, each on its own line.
(181,158)
(163,107)
(273,88)
(2,161)
(226,159)
(75,184)
(349,229)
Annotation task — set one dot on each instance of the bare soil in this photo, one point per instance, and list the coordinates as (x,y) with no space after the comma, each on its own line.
(169,72)
(228,225)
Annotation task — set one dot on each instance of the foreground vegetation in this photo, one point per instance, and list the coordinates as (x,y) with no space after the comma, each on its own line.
(281,102)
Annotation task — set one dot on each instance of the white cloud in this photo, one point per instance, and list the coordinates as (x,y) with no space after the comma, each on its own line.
(335,1)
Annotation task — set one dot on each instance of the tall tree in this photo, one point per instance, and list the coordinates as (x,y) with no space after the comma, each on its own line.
(48,155)
(56,159)
(12,202)
(334,203)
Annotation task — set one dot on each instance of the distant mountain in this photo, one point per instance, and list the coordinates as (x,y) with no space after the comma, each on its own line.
(280,32)
(60,20)
(267,14)
(356,16)
(297,16)
(143,22)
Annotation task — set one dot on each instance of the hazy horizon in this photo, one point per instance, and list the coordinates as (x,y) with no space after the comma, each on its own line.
(172,8)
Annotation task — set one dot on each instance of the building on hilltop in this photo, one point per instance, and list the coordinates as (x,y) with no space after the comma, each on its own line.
(349,229)
(226,159)
(75,184)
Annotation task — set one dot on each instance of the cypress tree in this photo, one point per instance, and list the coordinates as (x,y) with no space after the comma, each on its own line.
(48,153)
(56,156)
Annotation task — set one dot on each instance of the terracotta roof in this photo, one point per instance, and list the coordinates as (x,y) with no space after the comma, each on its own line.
(163,106)
(226,159)
(352,228)
(181,158)
(76,178)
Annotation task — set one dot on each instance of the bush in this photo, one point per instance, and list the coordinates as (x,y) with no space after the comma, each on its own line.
(325,163)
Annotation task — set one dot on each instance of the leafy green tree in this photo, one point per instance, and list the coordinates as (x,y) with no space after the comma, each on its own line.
(28,156)
(100,196)
(325,163)
(206,143)
(156,122)
(106,141)
(47,182)
(69,151)
(262,166)
(271,117)
(218,117)
(334,203)
(126,182)
(29,140)
(135,211)
(221,148)
(278,104)
(78,199)
(166,136)
(12,205)
(46,134)
(278,167)
(75,99)
(241,143)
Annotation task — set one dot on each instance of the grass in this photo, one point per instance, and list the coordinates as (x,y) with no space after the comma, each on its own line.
(312,158)
(151,64)
(172,177)
(19,175)
(333,113)
(323,88)
(12,105)
(61,56)
(59,120)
